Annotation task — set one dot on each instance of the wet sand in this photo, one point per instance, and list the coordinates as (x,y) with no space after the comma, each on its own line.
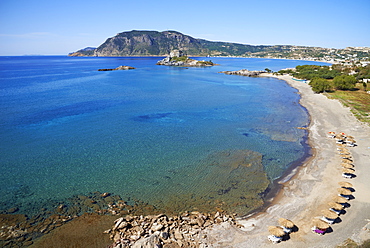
(315,183)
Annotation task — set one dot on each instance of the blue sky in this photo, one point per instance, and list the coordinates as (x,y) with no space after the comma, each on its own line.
(54,27)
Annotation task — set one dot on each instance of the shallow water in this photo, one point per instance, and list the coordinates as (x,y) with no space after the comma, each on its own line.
(145,134)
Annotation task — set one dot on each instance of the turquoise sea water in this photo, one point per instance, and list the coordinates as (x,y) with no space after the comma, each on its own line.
(69,129)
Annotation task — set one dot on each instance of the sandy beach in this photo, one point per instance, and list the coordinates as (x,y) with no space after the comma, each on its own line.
(315,183)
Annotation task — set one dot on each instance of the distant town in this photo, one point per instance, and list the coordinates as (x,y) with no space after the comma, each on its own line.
(347,56)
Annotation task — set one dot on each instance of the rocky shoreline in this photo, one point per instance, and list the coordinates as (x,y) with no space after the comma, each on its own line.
(244,72)
(184,230)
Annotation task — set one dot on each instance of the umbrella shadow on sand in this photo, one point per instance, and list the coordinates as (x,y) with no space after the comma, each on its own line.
(351,189)
(346,205)
(337,220)
(293,230)
(329,230)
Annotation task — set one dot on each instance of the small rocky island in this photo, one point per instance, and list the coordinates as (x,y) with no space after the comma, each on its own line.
(243,72)
(177,58)
(122,67)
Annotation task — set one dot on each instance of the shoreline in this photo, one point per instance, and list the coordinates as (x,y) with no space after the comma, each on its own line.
(308,191)
(304,189)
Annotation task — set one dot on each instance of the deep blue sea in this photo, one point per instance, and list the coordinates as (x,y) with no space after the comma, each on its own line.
(67,129)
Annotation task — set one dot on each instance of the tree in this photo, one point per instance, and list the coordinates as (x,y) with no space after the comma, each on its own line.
(320,85)
(268,70)
(344,82)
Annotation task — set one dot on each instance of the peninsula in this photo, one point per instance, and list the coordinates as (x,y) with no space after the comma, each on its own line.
(155,43)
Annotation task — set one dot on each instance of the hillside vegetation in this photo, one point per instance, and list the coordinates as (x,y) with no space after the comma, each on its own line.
(154,43)
(348,84)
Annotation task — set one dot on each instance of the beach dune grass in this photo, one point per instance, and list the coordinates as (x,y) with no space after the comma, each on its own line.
(357,100)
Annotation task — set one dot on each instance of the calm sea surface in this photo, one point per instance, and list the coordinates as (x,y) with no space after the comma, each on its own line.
(147,134)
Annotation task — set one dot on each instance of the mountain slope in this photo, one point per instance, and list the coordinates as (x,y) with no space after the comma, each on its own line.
(154,43)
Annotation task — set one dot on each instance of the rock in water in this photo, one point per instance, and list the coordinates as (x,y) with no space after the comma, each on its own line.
(243,72)
(121,67)
(177,58)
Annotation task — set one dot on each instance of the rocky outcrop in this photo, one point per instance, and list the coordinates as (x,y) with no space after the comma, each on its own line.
(122,67)
(243,72)
(177,58)
(164,231)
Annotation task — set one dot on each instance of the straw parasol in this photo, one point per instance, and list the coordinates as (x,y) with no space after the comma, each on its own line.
(344,153)
(345,149)
(341,145)
(345,184)
(350,137)
(344,191)
(339,136)
(335,205)
(276,231)
(348,166)
(340,199)
(346,161)
(320,224)
(329,214)
(286,223)
(348,171)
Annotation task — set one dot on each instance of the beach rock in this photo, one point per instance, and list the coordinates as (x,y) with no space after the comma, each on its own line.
(150,242)
(12,210)
(163,231)
(156,227)
(105,194)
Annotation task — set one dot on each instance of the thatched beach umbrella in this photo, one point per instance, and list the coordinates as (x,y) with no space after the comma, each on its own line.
(348,171)
(329,214)
(344,191)
(320,224)
(348,166)
(345,153)
(345,184)
(276,231)
(346,161)
(335,205)
(350,137)
(286,223)
(345,149)
(340,199)
(339,136)
(341,145)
